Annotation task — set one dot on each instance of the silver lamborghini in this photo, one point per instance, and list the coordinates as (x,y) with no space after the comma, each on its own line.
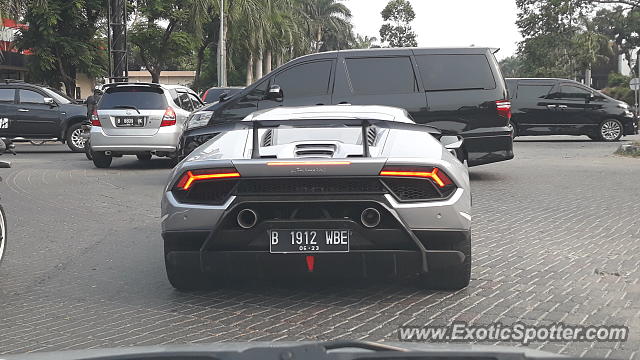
(339,191)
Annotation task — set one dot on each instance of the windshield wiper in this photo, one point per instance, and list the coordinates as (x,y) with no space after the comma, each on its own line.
(127,107)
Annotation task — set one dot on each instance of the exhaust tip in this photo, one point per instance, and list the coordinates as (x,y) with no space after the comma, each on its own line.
(370,217)
(247,218)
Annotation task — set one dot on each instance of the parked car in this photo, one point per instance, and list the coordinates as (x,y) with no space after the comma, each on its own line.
(337,190)
(458,91)
(139,119)
(567,107)
(215,94)
(31,112)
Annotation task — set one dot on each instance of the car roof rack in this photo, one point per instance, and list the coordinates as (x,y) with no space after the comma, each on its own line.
(11,81)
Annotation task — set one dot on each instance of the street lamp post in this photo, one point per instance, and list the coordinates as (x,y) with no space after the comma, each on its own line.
(222,50)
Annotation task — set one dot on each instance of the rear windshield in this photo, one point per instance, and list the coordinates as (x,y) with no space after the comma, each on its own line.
(141,97)
(456,72)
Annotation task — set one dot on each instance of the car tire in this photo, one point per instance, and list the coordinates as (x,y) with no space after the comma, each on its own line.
(184,278)
(87,150)
(610,130)
(144,157)
(451,278)
(3,233)
(514,130)
(101,160)
(75,141)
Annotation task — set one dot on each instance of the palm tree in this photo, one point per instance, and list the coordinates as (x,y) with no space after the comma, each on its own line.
(325,16)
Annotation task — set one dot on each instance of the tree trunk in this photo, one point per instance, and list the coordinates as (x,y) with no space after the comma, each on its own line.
(199,61)
(258,65)
(278,59)
(155,75)
(267,62)
(587,76)
(249,70)
(319,39)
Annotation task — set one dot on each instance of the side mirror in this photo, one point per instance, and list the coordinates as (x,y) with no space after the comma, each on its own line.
(275,93)
(49,101)
(223,96)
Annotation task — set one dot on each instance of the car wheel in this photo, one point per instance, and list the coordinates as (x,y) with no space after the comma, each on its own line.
(185,278)
(75,141)
(144,157)
(101,160)
(451,278)
(611,130)
(3,233)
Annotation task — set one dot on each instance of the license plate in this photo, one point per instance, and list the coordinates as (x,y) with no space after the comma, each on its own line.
(130,121)
(309,241)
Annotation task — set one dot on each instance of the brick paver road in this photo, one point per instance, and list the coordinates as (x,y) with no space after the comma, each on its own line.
(556,238)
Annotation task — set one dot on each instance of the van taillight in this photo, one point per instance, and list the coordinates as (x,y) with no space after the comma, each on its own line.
(169,117)
(504,108)
(95,121)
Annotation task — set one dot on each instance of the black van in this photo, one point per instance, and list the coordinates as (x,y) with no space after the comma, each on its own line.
(458,90)
(567,107)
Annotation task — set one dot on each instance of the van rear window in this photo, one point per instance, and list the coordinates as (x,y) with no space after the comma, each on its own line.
(456,72)
(147,98)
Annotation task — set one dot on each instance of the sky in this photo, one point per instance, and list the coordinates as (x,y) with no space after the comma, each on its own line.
(440,23)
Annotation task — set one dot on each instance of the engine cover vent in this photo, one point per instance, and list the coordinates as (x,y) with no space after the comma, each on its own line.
(315,150)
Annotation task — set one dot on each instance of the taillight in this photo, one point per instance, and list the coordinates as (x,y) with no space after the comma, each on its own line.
(95,121)
(189,178)
(436,175)
(169,117)
(504,108)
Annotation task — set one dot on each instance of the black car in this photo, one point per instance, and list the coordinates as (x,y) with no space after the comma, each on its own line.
(31,112)
(213,94)
(459,91)
(567,107)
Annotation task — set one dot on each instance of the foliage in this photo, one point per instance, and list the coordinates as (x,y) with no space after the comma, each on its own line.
(397,32)
(512,67)
(616,80)
(622,93)
(62,36)
(364,42)
(622,28)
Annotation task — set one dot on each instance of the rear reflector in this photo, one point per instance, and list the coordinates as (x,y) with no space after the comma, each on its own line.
(504,108)
(192,176)
(438,176)
(95,121)
(308,163)
(169,118)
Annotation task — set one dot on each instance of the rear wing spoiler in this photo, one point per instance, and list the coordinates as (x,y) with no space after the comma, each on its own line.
(256,125)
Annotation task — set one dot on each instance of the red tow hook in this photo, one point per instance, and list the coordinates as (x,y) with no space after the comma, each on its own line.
(311,260)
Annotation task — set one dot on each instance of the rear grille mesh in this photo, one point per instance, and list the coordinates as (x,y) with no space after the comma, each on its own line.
(214,192)
(303,186)
(413,189)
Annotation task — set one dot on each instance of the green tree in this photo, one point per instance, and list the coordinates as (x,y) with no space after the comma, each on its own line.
(512,67)
(364,42)
(327,21)
(62,36)
(622,27)
(397,32)
(163,37)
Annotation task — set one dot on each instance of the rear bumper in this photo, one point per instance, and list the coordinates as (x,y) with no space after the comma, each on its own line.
(412,238)
(165,140)
(354,264)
